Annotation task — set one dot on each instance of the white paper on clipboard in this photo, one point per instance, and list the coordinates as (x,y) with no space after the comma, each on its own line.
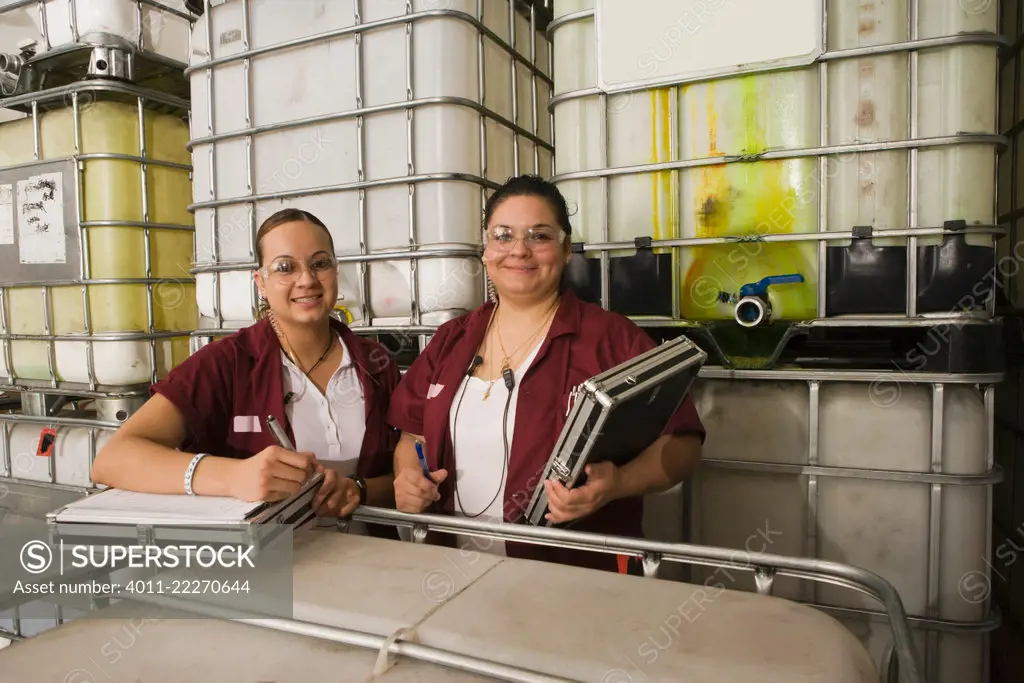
(128,506)
(41,236)
(6,214)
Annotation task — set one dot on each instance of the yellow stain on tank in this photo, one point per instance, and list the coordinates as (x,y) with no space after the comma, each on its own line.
(664,205)
(747,200)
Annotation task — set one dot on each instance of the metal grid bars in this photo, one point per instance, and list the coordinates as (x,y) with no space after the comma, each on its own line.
(146,103)
(954,517)
(145,23)
(824,153)
(523,127)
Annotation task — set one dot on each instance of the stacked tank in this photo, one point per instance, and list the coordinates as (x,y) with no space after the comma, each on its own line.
(96,240)
(808,190)
(387,119)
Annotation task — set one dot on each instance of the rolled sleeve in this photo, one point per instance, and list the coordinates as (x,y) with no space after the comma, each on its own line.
(685,421)
(200,388)
(405,412)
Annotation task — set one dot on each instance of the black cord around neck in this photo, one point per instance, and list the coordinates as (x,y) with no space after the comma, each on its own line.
(510,382)
(330,345)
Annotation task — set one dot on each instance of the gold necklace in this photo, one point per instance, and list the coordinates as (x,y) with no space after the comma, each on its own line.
(290,351)
(506,361)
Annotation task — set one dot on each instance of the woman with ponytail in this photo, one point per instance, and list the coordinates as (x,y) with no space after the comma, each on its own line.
(204,429)
(488,397)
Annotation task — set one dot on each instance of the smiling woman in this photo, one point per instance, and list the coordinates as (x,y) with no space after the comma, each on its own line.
(204,429)
(486,441)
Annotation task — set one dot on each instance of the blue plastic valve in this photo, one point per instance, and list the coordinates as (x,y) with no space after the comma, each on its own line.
(760,288)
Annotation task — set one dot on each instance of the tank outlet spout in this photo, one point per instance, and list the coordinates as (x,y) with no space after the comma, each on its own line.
(10,73)
(753,307)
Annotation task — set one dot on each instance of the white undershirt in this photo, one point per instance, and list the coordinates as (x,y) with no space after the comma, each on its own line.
(330,425)
(480,451)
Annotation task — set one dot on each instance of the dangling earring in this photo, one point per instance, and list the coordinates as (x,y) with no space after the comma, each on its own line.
(263,309)
(492,294)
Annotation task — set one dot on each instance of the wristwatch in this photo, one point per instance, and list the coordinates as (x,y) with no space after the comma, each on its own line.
(361,483)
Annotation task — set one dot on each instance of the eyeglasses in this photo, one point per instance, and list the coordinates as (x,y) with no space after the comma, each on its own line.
(536,239)
(286,271)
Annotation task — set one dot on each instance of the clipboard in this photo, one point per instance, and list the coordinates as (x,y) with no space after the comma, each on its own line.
(618,414)
(151,518)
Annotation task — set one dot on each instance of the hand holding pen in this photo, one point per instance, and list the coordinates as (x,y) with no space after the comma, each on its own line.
(336,495)
(276,472)
(416,487)
(423,461)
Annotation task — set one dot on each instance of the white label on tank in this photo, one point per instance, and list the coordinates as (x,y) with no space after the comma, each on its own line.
(6,214)
(678,40)
(41,219)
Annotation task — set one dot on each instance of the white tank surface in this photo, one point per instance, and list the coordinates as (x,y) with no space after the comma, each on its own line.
(664,521)
(755,137)
(890,472)
(160,27)
(118,646)
(495,612)
(386,119)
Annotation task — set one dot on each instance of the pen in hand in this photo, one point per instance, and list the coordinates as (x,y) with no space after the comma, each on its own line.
(279,434)
(282,438)
(423,462)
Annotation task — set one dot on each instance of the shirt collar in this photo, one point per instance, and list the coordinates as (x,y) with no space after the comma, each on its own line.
(261,343)
(567,321)
(346,360)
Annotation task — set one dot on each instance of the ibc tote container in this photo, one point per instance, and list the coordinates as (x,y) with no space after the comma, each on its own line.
(845,147)
(158,29)
(95,238)
(388,119)
(888,471)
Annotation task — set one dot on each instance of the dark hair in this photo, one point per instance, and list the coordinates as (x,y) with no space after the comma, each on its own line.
(280,218)
(528,185)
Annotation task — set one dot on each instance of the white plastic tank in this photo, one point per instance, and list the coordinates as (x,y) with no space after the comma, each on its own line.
(886,471)
(69,463)
(386,119)
(160,27)
(760,129)
(504,618)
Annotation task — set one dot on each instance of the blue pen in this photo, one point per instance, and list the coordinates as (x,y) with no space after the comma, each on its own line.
(423,462)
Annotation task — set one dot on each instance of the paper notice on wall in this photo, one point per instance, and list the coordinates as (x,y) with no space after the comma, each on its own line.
(40,207)
(6,214)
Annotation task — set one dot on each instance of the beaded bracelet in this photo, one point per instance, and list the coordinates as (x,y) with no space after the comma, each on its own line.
(191,471)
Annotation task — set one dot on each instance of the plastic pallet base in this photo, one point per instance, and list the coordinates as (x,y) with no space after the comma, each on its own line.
(949,348)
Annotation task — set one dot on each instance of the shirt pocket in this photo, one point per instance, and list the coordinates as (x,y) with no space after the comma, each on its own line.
(243,441)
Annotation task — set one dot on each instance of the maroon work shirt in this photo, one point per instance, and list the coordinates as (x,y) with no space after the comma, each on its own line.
(240,376)
(583,340)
